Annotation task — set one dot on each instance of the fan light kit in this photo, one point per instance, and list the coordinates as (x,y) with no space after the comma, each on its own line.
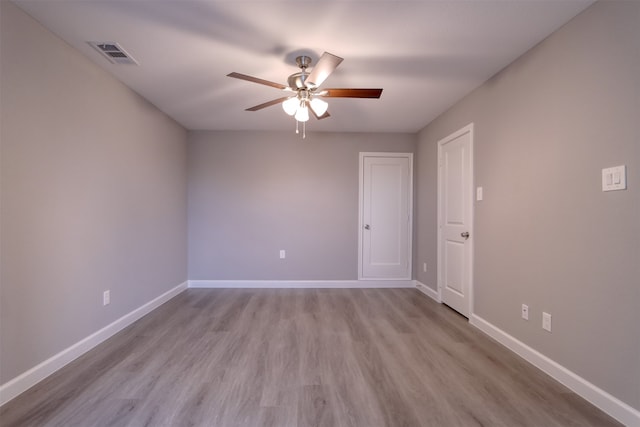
(307,97)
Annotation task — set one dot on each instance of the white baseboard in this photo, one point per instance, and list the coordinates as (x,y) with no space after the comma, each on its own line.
(303,284)
(596,396)
(427,291)
(28,379)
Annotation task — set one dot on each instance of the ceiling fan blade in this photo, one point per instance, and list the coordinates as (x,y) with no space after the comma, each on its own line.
(324,116)
(257,80)
(267,104)
(325,66)
(350,93)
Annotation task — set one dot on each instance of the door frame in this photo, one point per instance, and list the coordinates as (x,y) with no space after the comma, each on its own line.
(466,129)
(361,211)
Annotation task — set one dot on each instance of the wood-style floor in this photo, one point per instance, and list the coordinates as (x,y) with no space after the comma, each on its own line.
(300,357)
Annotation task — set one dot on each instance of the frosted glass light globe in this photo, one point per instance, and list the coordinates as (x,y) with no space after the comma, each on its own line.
(290,106)
(302,115)
(319,106)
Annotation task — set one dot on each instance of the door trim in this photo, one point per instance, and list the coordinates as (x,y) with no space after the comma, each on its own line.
(361,211)
(467,129)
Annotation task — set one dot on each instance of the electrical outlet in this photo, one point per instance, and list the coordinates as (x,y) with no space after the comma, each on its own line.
(525,311)
(283,254)
(106,297)
(546,321)
(424,267)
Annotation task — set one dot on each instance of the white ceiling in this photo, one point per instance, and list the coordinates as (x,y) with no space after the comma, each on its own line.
(425,54)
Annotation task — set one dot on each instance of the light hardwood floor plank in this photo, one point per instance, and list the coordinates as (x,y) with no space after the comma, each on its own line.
(300,357)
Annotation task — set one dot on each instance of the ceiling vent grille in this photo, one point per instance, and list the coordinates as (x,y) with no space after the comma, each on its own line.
(114,53)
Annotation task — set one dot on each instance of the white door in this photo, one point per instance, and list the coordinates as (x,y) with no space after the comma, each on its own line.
(386,181)
(455,220)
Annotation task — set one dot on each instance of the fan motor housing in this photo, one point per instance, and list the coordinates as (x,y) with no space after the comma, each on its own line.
(296,81)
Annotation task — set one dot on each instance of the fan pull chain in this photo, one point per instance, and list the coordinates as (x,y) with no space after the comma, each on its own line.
(297,131)
(304,130)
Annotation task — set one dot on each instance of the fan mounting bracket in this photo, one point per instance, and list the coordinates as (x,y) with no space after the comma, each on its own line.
(303,61)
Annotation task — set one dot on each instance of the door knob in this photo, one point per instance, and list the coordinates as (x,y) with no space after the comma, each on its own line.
(465,235)
(366,227)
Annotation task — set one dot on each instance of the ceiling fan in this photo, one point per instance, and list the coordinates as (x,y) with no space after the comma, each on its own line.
(304,87)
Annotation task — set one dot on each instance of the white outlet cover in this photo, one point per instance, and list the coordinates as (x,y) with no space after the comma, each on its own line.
(479,194)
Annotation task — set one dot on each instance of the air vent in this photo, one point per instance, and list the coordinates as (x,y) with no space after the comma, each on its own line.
(114,53)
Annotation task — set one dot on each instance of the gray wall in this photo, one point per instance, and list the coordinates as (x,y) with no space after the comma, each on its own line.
(546,235)
(93,197)
(254,193)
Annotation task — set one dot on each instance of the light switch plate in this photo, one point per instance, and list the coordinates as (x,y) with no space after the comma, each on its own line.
(479,193)
(614,178)
(546,321)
